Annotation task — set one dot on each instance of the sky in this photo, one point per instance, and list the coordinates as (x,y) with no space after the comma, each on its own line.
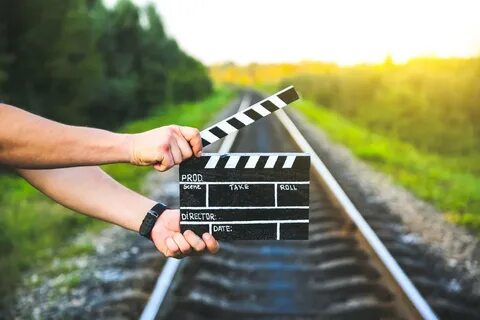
(340,31)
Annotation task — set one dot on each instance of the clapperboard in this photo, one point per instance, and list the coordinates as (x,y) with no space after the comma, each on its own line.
(246,196)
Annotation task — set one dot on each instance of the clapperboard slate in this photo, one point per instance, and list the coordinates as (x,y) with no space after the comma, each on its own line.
(246,196)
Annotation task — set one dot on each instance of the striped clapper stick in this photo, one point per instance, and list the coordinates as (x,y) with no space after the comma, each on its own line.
(246,196)
(249,115)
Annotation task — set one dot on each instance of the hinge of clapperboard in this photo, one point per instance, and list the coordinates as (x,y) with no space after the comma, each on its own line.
(249,115)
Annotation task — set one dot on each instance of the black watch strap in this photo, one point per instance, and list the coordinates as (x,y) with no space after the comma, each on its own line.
(150,219)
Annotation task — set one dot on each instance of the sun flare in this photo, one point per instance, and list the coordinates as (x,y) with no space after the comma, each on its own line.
(345,32)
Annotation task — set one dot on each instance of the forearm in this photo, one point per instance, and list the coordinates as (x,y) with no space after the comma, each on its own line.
(29,141)
(89,190)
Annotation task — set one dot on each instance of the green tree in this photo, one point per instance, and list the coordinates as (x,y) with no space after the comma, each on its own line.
(154,72)
(78,62)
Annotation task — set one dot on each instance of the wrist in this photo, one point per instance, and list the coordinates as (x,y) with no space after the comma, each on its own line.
(145,206)
(150,220)
(124,147)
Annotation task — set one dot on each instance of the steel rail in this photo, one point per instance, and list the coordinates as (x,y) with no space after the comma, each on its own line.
(171,266)
(418,306)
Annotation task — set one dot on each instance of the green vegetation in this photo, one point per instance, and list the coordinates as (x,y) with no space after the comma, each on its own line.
(77,62)
(451,185)
(417,122)
(80,63)
(35,229)
(430,103)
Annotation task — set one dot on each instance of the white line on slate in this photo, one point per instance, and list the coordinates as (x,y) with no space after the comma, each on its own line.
(247,208)
(246,222)
(248,182)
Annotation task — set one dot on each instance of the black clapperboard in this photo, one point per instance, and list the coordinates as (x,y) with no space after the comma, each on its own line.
(246,196)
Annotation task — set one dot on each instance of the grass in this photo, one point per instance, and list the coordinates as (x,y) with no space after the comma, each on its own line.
(35,229)
(452,184)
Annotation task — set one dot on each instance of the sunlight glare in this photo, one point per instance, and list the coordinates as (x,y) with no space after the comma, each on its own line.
(345,32)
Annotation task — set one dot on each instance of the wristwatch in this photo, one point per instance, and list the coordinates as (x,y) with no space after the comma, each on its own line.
(150,219)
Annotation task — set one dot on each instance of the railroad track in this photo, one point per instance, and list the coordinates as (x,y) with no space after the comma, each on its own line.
(343,272)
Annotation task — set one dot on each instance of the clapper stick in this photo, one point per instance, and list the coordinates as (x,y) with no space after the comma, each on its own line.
(249,115)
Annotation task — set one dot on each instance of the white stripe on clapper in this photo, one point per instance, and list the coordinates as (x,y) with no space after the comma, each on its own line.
(252,162)
(271,162)
(277,101)
(232,162)
(278,231)
(289,162)
(212,162)
(244,119)
(210,137)
(226,127)
(261,110)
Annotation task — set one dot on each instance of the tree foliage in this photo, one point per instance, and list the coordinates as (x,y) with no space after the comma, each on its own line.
(78,62)
(430,103)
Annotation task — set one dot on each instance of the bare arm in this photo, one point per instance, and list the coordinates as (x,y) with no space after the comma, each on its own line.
(91,191)
(31,142)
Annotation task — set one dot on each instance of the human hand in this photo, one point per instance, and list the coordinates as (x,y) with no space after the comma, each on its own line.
(165,147)
(167,237)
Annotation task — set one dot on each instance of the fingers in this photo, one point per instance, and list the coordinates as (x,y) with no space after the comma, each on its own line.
(182,143)
(185,149)
(212,244)
(172,249)
(195,241)
(179,246)
(192,135)
(182,243)
(168,239)
(176,153)
(166,163)
(164,147)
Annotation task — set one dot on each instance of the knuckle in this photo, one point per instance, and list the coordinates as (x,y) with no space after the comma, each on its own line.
(165,147)
(173,129)
(200,246)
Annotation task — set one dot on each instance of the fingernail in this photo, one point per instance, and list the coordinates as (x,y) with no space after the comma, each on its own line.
(200,153)
(207,236)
